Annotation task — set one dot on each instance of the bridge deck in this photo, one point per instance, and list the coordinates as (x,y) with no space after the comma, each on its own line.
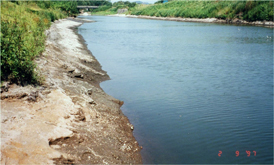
(87,7)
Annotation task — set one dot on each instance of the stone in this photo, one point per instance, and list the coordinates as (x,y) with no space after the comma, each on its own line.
(22,95)
(131,126)
(89,91)
(92,102)
(121,102)
(5,87)
(118,102)
(65,66)
(33,96)
(71,70)
(79,75)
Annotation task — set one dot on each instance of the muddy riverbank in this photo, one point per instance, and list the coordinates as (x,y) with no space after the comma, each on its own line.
(69,119)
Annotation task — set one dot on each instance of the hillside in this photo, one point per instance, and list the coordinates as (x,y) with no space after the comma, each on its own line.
(245,10)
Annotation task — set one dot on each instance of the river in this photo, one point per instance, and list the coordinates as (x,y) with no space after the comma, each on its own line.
(195,92)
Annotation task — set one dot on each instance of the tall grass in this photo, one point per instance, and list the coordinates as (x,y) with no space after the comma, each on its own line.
(22,38)
(246,10)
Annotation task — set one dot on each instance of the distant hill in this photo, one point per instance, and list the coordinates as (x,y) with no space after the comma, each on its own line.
(140,2)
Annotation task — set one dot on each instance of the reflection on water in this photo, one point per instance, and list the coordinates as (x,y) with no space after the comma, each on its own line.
(190,89)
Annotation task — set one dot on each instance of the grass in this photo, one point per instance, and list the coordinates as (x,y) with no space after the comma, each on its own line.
(107,12)
(246,10)
(22,39)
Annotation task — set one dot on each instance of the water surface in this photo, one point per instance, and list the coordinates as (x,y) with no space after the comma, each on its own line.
(190,89)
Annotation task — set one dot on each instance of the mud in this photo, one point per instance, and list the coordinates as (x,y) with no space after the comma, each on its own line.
(69,119)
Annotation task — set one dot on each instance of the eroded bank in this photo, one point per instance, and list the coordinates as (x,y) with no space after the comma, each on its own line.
(69,119)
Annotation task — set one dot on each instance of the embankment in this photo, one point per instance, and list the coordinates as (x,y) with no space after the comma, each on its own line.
(69,119)
(206,20)
(243,12)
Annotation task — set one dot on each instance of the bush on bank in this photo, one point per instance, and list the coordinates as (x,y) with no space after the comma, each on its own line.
(246,10)
(22,38)
(112,9)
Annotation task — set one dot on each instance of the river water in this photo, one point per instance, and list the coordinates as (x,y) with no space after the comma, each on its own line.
(195,92)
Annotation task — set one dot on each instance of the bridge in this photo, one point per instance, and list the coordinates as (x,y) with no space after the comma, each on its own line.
(83,8)
(87,7)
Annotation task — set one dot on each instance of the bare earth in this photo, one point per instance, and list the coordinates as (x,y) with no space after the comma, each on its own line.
(69,119)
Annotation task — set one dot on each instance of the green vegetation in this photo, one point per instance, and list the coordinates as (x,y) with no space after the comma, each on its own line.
(106,12)
(246,10)
(112,9)
(22,35)
(23,24)
(94,3)
(160,1)
(224,9)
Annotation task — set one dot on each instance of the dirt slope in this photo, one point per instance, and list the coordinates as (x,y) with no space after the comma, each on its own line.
(69,119)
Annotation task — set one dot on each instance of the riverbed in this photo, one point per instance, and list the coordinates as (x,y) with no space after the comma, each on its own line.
(195,92)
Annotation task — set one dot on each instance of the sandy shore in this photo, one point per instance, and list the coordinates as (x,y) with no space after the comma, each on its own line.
(69,119)
(204,20)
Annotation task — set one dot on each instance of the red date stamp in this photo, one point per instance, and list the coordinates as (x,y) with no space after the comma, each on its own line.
(237,153)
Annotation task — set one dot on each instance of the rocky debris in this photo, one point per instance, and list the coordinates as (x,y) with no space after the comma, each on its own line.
(63,160)
(91,101)
(59,122)
(79,75)
(33,96)
(13,96)
(5,87)
(131,126)
(71,70)
(19,92)
(89,91)
(64,66)
(118,102)
(126,147)
(80,116)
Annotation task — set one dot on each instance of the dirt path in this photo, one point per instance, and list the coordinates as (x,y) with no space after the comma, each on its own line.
(69,119)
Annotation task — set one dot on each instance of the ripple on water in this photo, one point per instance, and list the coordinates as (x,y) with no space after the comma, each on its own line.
(190,89)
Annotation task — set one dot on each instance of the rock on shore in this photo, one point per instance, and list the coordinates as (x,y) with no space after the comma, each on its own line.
(69,119)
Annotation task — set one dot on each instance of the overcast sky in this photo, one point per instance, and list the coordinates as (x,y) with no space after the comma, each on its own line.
(149,1)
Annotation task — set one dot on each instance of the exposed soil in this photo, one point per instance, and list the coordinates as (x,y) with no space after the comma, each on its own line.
(69,119)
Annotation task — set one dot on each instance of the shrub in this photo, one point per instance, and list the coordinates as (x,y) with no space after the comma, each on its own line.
(247,10)
(22,39)
(102,8)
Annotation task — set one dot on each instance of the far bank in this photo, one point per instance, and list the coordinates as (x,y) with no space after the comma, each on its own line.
(232,12)
(236,21)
